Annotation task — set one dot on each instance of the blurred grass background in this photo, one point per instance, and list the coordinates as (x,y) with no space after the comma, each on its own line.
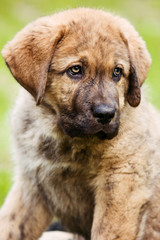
(15,14)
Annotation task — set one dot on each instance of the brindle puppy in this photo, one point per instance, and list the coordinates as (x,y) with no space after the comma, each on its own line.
(86,149)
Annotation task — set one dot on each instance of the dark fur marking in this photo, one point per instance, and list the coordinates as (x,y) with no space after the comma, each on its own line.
(64,148)
(10,236)
(117,237)
(82,156)
(109,186)
(22,233)
(47,147)
(27,123)
(49,107)
(66,173)
(12,217)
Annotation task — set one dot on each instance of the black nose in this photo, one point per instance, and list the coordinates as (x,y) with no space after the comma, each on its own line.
(103,113)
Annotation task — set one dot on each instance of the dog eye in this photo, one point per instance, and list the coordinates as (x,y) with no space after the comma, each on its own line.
(75,71)
(117,74)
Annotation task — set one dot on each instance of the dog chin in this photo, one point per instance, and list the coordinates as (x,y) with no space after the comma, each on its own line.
(106,136)
(102,135)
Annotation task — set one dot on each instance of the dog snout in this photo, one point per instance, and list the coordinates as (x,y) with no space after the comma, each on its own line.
(103,113)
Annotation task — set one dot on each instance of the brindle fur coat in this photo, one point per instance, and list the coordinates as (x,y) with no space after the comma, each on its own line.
(86,142)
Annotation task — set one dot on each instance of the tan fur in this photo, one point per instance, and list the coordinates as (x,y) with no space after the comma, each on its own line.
(100,179)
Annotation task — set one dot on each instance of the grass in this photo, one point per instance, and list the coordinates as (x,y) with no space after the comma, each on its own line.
(15,14)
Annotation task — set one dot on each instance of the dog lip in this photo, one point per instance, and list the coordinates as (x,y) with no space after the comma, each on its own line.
(106,136)
(91,128)
(101,135)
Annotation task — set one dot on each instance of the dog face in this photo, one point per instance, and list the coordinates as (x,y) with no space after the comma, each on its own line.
(85,69)
(88,83)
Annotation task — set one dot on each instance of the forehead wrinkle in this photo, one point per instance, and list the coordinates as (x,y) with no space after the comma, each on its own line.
(66,60)
(104,49)
(61,63)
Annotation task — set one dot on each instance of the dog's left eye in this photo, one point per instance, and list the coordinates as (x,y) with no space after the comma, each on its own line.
(117,74)
(75,71)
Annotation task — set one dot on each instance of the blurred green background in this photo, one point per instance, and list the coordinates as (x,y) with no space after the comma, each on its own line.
(15,14)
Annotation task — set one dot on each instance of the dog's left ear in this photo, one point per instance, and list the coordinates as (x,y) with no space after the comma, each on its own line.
(134,91)
(29,54)
(140,62)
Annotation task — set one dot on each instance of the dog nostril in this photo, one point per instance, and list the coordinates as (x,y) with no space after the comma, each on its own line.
(103,113)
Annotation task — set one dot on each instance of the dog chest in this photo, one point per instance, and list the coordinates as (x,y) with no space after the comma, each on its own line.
(67,193)
(65,182)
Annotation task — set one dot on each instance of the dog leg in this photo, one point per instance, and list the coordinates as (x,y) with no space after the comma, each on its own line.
(120,205)
(151,228)
(23,215)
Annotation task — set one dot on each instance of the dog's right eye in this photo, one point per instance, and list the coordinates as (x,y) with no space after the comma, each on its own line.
(75,72)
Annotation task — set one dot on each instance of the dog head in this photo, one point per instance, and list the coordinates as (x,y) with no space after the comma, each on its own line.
(85,64)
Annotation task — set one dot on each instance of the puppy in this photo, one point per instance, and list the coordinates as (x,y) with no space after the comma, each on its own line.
(86,142)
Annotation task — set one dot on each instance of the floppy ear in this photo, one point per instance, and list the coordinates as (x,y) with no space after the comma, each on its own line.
(140,62)
(134,91)
(29,54)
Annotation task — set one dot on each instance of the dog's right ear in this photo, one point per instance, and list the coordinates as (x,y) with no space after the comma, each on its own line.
(29,54)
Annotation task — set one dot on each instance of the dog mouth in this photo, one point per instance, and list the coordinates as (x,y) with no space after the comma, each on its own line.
(88,126)
(102,132)
(103,136)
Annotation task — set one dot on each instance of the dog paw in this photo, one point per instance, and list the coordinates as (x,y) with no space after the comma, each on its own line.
(57,235)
